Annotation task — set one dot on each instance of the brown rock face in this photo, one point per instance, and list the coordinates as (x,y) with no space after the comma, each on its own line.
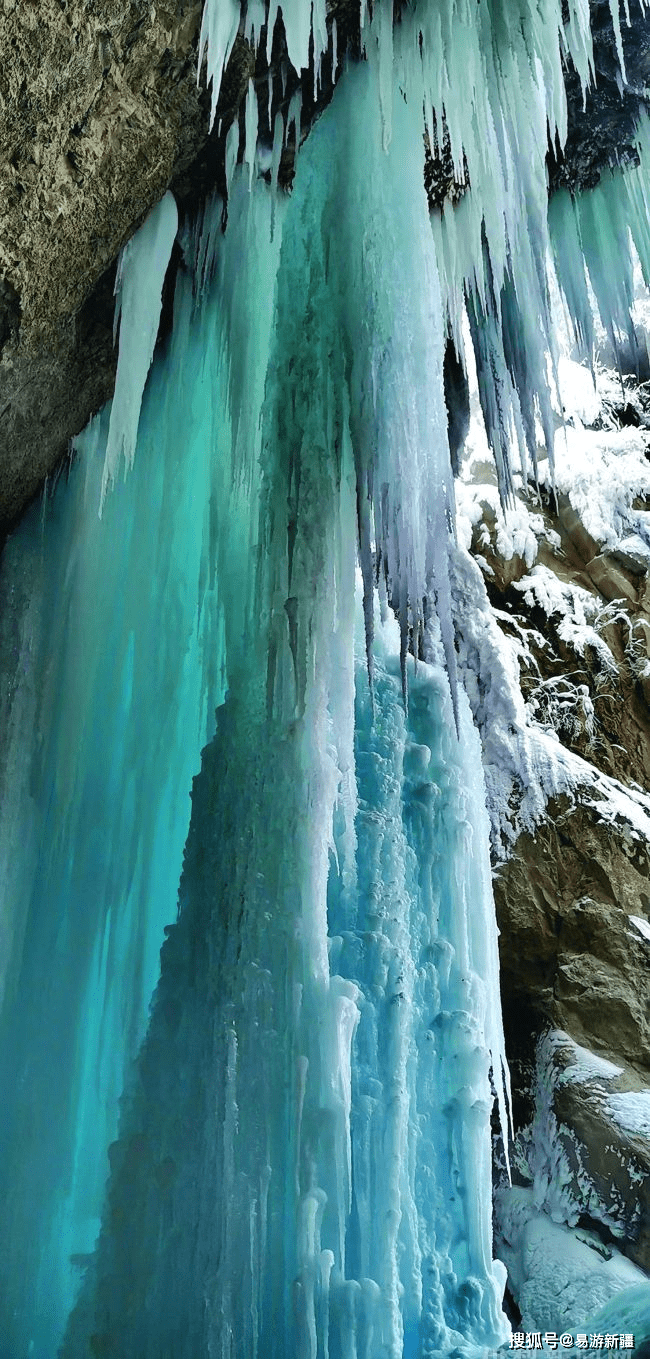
(610,1167)
(569,954)
(100,110)
(47,394)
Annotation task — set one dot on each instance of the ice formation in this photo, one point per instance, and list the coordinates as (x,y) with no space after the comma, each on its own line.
(278,1142)
(141,273)
(591,236)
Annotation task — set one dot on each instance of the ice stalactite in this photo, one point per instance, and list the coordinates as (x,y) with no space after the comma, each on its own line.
(138,288)
(595,237)
(490,81)
(219,29)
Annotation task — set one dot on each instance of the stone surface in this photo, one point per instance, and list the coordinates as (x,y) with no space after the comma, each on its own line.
(578,1165)
(569,956)
(610,1167)
(100,110)
(47,394)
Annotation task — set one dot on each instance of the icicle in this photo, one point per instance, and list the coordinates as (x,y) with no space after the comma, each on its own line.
(594,230)
(276,155)
(271,20)
(250,132)
(138,286)
(570,269)
(293,117)
(319,31)
(383,28)
(335,52)
(219,28)
(580,44)
(232,145)
(615,11)
(201,244)
(297,26)
(255,20)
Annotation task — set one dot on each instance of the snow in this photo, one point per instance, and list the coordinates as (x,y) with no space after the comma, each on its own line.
(585,1065)
(558,1272)
(558,1276)
(578,391)
(524,762)
(631,1110)
(603,472)
(602,476)
(643,926)
(577,609)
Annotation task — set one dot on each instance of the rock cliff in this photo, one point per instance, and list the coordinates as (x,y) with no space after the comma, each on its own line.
(567,593)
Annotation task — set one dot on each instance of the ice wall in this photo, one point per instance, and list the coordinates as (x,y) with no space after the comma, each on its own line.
(303,1162)
(113,655)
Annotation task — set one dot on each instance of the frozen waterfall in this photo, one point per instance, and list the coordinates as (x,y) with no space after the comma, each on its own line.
(271,1136)
(300,1162)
